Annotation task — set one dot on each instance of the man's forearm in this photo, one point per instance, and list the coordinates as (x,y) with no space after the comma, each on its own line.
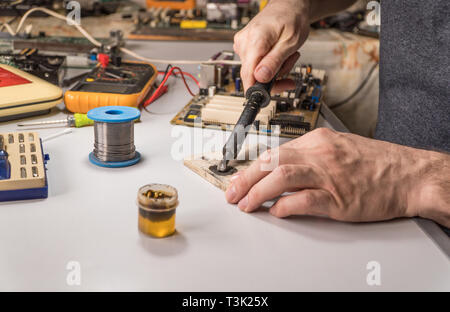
(432,196)
(319,9)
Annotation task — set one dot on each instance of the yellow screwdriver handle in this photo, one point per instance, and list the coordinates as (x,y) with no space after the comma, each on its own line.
(81,120)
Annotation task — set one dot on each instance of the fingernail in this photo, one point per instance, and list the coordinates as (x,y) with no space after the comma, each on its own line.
(234,177)
(231,193)
(264,73)
(265,156)
(243,203)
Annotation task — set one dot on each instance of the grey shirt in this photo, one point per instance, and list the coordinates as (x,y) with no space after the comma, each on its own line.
(414,73)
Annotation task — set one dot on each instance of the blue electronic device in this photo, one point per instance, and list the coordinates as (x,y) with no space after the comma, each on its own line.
(22,167)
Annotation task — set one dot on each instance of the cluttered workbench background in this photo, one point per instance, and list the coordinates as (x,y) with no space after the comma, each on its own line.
(89,222)
(90,218)
(349,57)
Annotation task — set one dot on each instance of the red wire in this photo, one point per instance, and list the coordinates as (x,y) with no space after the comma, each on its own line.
(184,79)
(170,73)
(157,92)
(186,74)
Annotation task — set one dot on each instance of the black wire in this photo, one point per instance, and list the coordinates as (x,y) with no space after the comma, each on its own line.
(149,94)
(361,86)
(167,71)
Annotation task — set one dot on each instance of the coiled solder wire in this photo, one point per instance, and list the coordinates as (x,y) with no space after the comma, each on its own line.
(114,141)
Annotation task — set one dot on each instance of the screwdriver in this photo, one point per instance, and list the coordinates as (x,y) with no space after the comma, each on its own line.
(77,121)
(258,96)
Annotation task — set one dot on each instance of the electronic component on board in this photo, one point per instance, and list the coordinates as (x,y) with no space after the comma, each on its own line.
(174,4)
(96,7)
(220,12)
(190,20)
(221,101)
(47,67)
(19,7)
(192,115)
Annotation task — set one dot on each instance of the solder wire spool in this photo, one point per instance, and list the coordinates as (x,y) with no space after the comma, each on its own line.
(157,206)
(114,136)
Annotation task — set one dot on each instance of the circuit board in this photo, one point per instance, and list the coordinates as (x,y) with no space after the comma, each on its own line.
(51,43)
(88,7)
(177,33)
(290,114)
(98,7)
(214,20)
(47,67)
(18,8)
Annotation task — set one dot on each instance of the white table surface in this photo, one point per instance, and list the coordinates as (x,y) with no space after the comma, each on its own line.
(91,217)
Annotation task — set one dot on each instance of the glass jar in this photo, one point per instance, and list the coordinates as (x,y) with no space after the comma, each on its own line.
(157,206)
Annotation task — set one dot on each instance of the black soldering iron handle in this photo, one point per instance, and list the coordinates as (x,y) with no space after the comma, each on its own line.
(240,131)
(258,96)
(264,89)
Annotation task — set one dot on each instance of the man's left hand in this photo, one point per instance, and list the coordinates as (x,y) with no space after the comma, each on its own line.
(348,178)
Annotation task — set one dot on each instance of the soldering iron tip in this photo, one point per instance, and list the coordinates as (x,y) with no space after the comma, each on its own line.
(222,166)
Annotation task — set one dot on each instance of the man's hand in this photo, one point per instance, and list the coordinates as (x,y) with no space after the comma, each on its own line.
(348,178)
(269,43)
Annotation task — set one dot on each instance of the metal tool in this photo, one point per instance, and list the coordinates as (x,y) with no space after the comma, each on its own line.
(258,96)
(77,121)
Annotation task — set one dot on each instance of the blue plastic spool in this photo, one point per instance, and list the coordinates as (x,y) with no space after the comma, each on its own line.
(114,114)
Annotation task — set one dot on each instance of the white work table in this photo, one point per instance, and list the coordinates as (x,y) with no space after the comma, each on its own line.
(91,217)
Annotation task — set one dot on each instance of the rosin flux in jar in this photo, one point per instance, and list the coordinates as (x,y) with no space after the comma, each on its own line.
(157,206)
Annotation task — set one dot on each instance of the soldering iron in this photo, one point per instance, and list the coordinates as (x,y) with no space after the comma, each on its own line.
(258,97)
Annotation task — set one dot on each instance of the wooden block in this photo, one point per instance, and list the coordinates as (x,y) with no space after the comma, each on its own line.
(201,165)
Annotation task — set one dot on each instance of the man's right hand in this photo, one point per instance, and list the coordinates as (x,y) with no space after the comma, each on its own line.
(269,43)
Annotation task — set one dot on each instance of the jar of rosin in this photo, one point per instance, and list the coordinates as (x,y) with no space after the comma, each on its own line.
(157,205)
